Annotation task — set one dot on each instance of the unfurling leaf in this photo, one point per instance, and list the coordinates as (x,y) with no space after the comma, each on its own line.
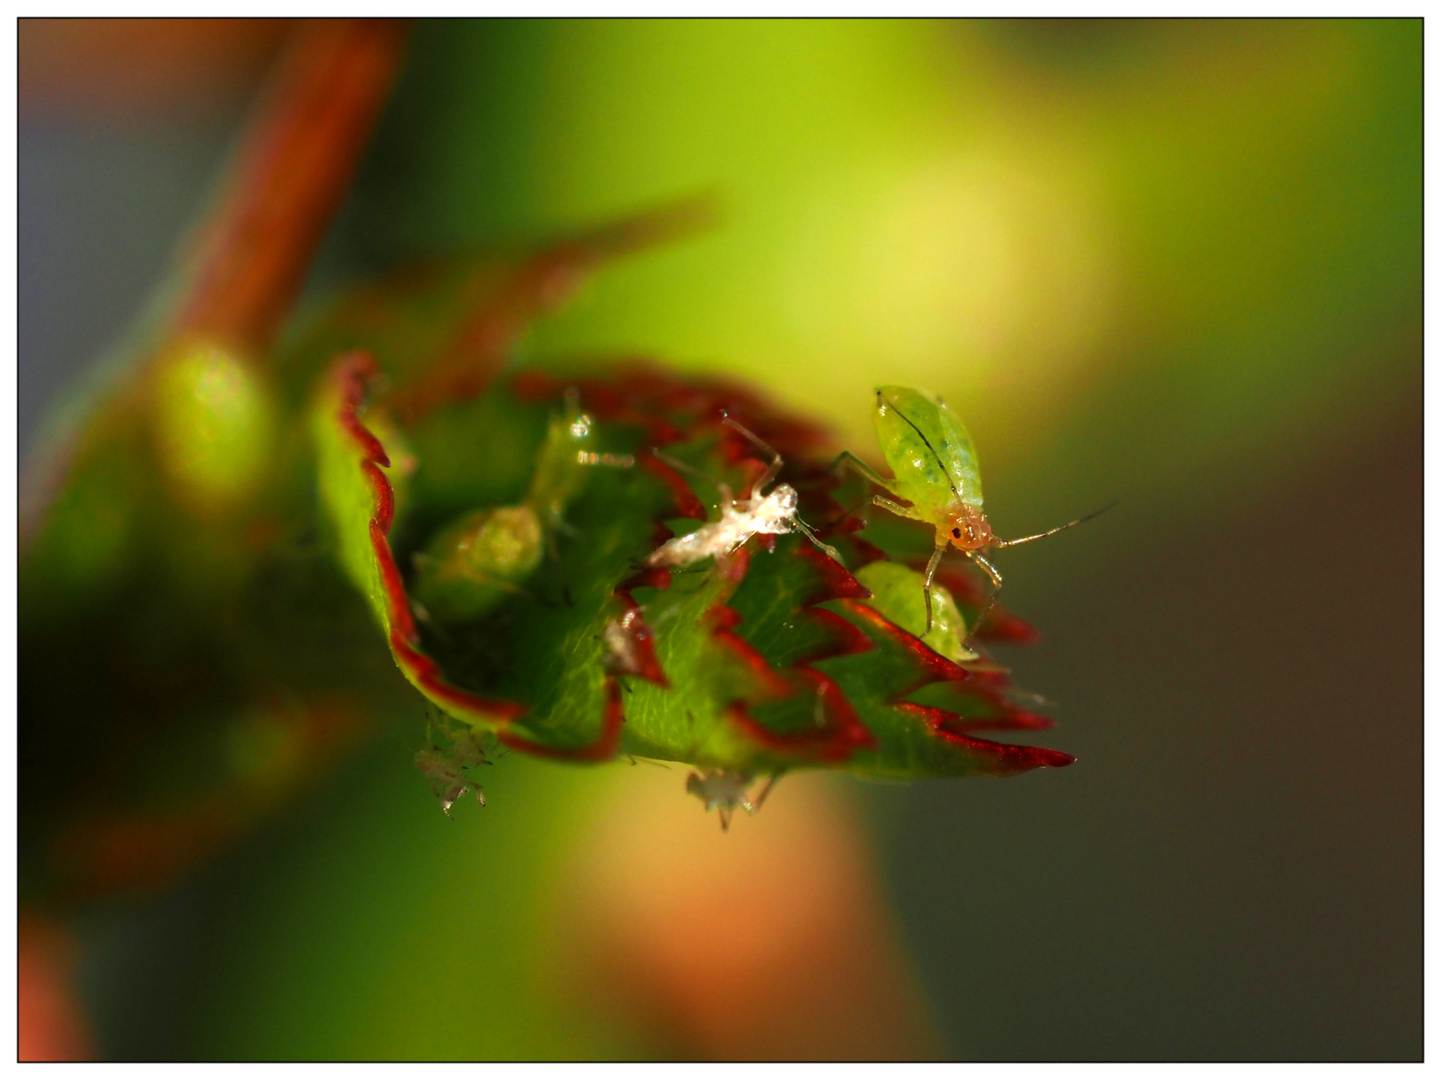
(238,534)
(749,659)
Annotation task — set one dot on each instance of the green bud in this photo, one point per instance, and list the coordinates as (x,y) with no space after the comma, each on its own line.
(477,562)
(214,425)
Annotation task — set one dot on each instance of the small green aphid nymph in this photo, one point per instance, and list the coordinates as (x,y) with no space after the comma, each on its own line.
(935,470)
(488,554)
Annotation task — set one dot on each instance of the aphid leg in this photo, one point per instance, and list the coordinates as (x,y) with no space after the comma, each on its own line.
(930,574)
(684,466)
(766,790)
(553,550)
(991,571)
(765,447)
(846,458)
(816,540)
(897,509)
(994,575)
(560,525)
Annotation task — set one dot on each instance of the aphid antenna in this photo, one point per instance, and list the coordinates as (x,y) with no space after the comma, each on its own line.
(685,467)
(760,444)
(1033,698)
(770,474)
(1059,528)
(846,514)
(430,723)
(436,719)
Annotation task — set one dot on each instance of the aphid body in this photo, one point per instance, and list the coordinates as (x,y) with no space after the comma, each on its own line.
(757,514)
(725,792)
(935,469)
(771,515)
(934,461)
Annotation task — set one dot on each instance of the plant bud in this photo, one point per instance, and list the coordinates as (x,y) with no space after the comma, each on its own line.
(477,562)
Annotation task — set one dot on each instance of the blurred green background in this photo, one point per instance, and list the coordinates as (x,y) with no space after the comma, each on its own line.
(1175,263)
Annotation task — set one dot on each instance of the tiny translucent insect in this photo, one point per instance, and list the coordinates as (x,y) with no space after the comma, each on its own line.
(487,555)
(936,472)
(446,771)
(756,514)
(725,792)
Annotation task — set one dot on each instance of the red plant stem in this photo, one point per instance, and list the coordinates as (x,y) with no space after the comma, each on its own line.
(292,170)
(251,252)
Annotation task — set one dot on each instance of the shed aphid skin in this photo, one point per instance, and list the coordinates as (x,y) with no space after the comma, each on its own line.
(486,555)
(725,792)
(446,771)
(933,460)
(756,514)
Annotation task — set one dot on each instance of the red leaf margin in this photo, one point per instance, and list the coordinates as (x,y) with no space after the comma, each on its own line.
(641,394)
(352,373)
(1008,758)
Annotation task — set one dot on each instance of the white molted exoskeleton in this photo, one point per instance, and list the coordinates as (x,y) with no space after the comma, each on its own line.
(774,514)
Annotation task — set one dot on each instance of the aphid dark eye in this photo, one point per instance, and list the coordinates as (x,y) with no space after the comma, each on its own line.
(956,533)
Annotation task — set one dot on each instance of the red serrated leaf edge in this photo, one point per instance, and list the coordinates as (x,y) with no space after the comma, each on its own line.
(352,374)
(932,668)
(643,395)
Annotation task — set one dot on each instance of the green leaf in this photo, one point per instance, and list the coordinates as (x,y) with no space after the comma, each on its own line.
(752,662)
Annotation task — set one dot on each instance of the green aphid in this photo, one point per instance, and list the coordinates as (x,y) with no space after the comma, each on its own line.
(477,561)
(936,472)
(897,593)
(487,555)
